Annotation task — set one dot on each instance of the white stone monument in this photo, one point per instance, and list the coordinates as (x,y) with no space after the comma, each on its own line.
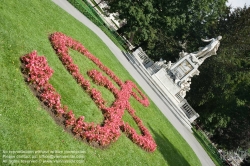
(174,79)
(187,66)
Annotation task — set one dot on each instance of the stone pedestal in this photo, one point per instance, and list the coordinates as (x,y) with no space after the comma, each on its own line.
(169,87)
(166,82)
(182,72)
(142,57)
(174,80)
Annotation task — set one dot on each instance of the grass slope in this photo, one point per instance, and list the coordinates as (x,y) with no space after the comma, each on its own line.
(25,125)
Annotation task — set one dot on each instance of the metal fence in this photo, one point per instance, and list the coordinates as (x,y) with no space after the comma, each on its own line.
(211,147)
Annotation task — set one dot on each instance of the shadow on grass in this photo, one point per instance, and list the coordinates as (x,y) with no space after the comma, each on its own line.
(172,155)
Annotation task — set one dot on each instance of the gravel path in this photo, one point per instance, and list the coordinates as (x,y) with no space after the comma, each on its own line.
(165,108)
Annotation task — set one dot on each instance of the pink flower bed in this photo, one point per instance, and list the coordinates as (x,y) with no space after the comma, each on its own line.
(39,73)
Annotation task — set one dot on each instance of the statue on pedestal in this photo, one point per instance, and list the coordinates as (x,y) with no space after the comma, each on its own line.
(185,87)
(180,73)
(209,50)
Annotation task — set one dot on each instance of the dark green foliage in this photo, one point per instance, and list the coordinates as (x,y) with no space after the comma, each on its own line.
(158,25)
(246,162)
(221,92)
(140,17)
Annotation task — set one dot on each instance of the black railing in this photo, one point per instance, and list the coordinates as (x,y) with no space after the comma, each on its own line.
(87,9)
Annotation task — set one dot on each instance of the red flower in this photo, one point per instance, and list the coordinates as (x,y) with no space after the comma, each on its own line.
(39,74)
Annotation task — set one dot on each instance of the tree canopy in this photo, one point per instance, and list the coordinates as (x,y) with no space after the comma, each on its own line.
(158,25)
(221,93)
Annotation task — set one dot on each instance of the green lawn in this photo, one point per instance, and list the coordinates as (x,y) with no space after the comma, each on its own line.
(24,124)
(208,147)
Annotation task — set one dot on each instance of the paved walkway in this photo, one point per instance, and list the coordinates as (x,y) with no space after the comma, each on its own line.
(165,108)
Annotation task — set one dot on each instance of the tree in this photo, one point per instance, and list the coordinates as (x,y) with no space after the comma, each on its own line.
(139,16)
(221,92)
(186,20)
(158,25)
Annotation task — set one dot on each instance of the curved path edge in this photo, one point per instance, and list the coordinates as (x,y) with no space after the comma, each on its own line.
(165,108)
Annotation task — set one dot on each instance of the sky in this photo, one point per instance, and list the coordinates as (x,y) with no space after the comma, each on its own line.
(238,3)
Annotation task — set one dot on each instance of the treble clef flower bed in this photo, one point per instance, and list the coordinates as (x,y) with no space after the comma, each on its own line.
(38,74)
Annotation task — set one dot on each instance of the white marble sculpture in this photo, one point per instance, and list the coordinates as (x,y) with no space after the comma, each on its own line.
(185,87)
(161,62)
(195,59)
(182,54)
(178,75)
(167,66)
(209,50)
(196,72)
